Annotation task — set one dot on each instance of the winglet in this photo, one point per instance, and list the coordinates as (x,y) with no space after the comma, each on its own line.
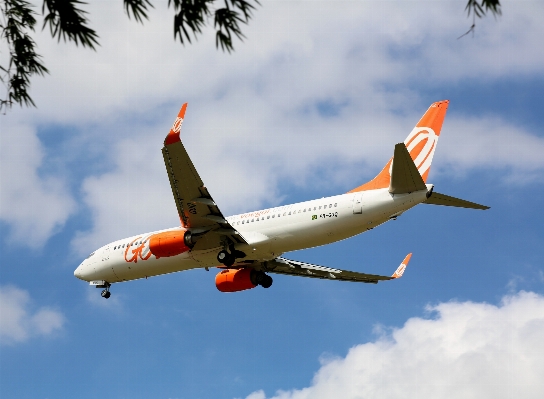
(173,136)
(400,270)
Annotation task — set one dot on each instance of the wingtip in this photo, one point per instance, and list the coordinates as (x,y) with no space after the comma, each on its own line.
(400,270)
(173,135)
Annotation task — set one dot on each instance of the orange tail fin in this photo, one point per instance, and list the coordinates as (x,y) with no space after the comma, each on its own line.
(421,144)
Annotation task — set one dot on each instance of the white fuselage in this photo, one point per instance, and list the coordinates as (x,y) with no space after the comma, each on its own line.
(269,233)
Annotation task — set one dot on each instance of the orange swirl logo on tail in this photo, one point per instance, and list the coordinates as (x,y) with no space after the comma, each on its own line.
(421,144)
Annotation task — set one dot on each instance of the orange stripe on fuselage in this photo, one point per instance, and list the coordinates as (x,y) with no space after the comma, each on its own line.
(381,181)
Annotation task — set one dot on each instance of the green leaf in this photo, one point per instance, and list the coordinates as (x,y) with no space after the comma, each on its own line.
(68,22)
(138,8)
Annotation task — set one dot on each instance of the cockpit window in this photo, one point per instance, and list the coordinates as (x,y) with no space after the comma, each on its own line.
(89,256)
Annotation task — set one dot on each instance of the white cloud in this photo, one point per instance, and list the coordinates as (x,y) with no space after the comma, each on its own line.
(467,350)
(34,205)
(20,321)
(256,116)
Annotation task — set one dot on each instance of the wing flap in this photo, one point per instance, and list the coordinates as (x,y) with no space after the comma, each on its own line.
(303,269)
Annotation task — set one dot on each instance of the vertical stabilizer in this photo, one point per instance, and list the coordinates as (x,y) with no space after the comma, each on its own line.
(421,144)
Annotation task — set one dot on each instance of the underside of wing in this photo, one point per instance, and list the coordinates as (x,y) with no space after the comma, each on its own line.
(302,269)
(196,208)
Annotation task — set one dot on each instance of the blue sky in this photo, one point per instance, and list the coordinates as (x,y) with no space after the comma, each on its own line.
(310,105)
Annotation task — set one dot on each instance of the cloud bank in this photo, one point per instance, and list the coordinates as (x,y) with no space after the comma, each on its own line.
(464,350)
(19,322)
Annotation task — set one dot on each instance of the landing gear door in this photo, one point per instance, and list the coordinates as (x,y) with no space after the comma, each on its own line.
(358,203)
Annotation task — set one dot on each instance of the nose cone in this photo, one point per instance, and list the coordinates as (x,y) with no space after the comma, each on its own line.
(79,272)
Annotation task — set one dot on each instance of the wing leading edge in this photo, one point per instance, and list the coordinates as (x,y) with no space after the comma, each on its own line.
(196,208)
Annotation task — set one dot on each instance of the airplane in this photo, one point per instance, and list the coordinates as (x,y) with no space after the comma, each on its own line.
(249,246)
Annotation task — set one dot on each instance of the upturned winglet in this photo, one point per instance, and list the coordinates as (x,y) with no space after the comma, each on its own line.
(400,270)
(173,135)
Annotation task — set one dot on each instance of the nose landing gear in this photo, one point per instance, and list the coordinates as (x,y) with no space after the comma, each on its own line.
(106,289)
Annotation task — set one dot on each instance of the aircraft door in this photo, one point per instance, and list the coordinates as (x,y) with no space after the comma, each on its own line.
(106,253)
(358,203)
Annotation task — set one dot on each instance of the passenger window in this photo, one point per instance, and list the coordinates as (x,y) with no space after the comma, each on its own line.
(289,213)
(243,221)
(319,206)
(330,206)
(252,220)
(273,216)
(268,217)
(304,209)
(335,204)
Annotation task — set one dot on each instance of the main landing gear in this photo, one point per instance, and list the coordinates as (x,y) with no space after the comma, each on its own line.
(263,279)
(228,258)
(225,258)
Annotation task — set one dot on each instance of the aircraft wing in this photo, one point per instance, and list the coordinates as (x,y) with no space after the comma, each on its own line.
(196,208)
(302,269)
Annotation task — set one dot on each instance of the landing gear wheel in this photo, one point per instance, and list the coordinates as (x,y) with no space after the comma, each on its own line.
(222,256)
(105,293)
(267,281)
(225,258)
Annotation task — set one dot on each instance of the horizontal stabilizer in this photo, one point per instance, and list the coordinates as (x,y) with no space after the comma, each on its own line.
(405,177)
(446,200)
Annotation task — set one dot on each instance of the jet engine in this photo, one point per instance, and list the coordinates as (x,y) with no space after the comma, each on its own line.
(169,243)
(232,280)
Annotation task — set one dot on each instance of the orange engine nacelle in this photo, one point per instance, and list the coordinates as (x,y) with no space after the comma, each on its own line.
(232,280)
(168,243)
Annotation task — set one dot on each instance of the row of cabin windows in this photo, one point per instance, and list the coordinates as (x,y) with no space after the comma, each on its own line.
(290,213)
(134,243)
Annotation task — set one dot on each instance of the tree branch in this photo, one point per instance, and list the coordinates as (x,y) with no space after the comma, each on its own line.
(24,61)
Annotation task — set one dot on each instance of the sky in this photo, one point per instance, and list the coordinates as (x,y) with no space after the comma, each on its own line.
(310,104)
